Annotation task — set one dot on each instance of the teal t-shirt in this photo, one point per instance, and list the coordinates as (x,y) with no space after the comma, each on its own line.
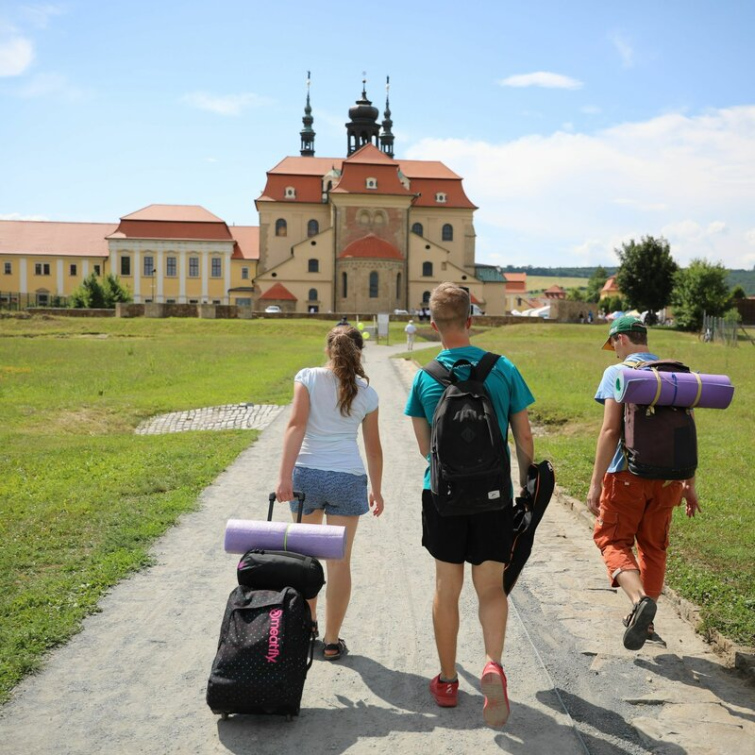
(508,391)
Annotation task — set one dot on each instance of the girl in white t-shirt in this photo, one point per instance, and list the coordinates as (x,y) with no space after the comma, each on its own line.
(321,458)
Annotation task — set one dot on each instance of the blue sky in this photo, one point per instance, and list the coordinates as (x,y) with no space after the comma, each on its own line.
(576,126)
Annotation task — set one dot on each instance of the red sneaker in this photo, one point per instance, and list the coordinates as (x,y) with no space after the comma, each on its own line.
(493,685)
(445,693)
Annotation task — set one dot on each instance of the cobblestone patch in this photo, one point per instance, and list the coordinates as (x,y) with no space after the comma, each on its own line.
(226,417)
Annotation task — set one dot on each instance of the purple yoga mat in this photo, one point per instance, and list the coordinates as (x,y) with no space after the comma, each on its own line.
(318,540)
(676,389)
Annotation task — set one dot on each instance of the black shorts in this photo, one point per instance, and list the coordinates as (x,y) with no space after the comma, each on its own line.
(475,538)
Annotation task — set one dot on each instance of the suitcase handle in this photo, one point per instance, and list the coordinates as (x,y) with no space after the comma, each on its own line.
(299,496)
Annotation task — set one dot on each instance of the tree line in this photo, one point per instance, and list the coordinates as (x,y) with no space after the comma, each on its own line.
(650,280)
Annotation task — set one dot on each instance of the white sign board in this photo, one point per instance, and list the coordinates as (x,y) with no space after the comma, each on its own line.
(382,325)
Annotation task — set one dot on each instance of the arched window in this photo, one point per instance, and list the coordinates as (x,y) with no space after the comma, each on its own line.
(427,269)
(418,229)
(281,227)
(398,286)
(344,285)
(313,266)
(373,285)
(313,228)
(448,232)
(426,297)
(312,294)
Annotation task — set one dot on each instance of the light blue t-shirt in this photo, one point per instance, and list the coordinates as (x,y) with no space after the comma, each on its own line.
(330,440)
(606,390)
(508,391)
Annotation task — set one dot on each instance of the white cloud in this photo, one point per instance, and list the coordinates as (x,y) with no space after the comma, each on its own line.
(624,48)
(565,196)
(16,55)
(228,104)
(541,79)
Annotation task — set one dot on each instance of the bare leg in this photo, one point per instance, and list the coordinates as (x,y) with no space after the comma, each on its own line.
(449,579)
(487,578)
(338,588)
(314,518)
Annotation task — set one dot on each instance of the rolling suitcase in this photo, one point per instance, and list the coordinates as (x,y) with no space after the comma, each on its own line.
(266,643)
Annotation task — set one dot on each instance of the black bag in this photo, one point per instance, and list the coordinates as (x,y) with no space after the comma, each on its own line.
(264,653)
(660,442)
(528,510)
(470,470)
(274,570)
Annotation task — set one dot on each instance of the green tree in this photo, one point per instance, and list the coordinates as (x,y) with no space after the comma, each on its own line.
(700,289)
(92,294)
(595,284)
(646,275)
(575,294)
(738,293)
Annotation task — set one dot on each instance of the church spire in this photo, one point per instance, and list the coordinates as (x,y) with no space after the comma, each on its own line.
(363,127)
(307,134)
(386,135)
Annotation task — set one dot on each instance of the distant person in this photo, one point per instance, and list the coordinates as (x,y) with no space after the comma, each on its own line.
(484,540)
(343,321)
(589,317)
(631,510)
(410,330)
(581,318)
(321,458)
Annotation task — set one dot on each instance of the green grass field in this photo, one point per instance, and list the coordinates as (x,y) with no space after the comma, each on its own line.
(538,283)
(82,498)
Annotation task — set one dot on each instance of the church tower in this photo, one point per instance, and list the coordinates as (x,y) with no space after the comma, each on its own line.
(386,135)
(363,127)
(307,134)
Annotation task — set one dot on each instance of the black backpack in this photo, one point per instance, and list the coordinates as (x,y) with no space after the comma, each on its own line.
(264,653)
(660,442)
(470,470)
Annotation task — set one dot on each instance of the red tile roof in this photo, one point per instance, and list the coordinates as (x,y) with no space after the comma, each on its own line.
(247,246)
(176,213)
(278,291)
(37,237)
(371,246)
(515,282)
(305,174)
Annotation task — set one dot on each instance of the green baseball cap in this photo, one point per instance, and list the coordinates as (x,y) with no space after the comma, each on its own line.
(625,324)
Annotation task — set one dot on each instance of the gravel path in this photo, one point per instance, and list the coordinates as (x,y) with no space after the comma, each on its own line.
(133,680)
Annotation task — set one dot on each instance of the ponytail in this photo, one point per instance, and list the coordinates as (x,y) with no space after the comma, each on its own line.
(345,344)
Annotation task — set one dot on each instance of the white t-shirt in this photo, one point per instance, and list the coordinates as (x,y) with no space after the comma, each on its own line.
(330,440)
(411,329)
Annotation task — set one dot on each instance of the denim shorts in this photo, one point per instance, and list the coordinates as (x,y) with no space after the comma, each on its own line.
(337,493)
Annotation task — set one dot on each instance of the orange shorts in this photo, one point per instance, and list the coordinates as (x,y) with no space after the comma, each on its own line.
(636,511)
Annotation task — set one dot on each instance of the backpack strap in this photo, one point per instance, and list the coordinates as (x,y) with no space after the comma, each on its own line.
(480,371)
(485,365)
(436,370)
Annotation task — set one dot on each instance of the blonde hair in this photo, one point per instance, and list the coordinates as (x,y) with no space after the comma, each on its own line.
(344,345)
(449,306)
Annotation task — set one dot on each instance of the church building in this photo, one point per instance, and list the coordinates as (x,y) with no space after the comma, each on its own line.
(366,232)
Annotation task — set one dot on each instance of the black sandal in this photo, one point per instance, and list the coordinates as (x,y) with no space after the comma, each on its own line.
(638,622)
(334,650)
(315,631)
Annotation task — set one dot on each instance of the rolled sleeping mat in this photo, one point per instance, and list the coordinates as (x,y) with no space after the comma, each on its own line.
(682,389)
(318,540)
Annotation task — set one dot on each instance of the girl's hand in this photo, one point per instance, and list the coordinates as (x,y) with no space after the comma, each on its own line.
(376,503)
(284,491)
